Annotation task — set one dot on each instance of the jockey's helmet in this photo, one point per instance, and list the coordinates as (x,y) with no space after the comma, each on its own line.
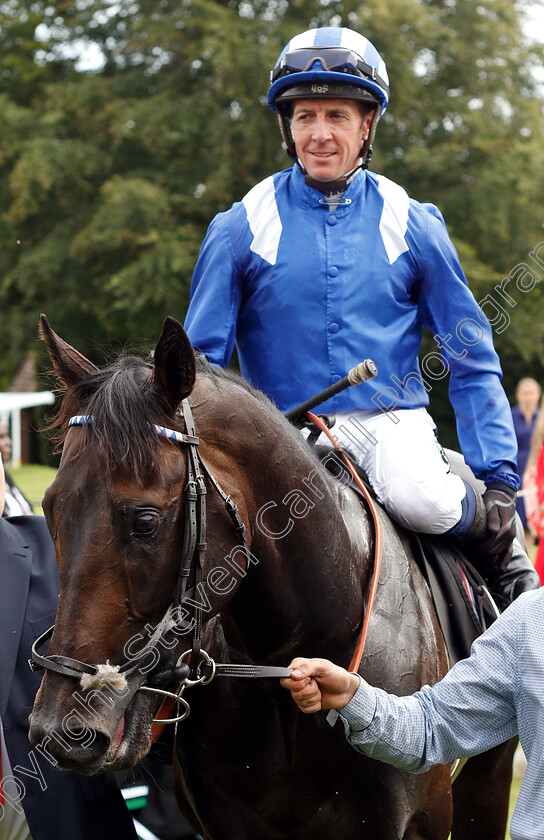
(334,63)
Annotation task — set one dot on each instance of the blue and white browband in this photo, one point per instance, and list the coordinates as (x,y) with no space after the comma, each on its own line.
(171,434)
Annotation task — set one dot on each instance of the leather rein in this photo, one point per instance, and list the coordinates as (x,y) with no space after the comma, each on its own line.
(378,544)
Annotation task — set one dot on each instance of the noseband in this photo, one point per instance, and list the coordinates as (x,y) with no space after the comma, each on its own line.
(200,667)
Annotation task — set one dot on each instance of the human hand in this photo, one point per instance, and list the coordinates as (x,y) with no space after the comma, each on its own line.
(317,684)
(500,505)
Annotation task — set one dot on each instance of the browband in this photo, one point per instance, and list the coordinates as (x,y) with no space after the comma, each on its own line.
(171,434)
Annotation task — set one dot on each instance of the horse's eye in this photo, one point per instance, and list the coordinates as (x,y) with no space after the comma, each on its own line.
(145,523)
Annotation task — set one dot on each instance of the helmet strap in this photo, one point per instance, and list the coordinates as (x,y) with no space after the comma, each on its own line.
(286,136)
(366,151)
(340,185)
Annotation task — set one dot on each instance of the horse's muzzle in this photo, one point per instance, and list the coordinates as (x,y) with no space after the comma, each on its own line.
(72,743)
(88,731)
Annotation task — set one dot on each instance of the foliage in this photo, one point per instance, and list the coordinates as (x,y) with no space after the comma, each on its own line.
(109,176)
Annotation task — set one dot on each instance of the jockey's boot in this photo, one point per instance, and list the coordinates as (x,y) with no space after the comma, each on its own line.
(505,578)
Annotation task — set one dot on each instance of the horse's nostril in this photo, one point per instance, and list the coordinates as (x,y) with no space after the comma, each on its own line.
(72,746)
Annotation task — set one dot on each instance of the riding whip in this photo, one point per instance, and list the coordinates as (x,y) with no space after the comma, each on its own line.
(360,373)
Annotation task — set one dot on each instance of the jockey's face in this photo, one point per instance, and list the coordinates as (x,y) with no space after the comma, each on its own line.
(328,135)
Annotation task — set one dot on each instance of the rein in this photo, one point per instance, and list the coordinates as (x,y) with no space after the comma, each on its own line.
(358,653)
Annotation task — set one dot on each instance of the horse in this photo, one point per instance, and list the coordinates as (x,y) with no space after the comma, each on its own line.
(278,565)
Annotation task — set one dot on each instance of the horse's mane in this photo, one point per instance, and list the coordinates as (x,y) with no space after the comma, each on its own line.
(219,375)
(122,402)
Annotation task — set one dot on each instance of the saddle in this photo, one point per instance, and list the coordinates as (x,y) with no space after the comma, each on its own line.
(463,604)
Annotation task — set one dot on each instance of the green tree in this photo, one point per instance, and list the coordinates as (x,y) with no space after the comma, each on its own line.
(109,177)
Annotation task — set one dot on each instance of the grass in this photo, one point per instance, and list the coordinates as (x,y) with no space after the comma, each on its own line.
(33,480)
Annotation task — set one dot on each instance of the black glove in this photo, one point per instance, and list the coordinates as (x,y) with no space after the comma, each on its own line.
(500,506)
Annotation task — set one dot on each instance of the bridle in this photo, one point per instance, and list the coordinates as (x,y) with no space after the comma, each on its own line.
(195,666)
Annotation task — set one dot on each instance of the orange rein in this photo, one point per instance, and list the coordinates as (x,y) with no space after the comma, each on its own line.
(358,652)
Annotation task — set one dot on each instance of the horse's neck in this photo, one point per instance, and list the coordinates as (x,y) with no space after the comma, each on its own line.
(310,552)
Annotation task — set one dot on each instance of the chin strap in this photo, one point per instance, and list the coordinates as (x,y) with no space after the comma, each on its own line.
(331,187)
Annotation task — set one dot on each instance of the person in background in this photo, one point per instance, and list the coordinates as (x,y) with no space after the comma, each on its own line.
(524,415)
(533,490)
(15,503)
(493,695)
(37,800)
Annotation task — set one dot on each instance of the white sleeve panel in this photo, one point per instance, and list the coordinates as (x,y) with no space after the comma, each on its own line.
(394,218)
(264,220)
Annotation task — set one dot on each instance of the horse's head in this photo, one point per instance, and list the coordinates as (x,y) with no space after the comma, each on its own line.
(128,533)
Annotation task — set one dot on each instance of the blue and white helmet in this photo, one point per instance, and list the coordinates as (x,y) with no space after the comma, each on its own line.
(334,63)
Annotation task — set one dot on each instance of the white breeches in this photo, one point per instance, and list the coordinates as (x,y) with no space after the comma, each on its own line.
(405,465)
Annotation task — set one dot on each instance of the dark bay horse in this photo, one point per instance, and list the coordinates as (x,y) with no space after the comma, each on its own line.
(249,766)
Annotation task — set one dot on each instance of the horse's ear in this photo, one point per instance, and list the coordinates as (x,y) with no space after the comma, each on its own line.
(175,369)
(70,366)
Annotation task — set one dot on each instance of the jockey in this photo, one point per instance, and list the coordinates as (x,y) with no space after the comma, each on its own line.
(325,263)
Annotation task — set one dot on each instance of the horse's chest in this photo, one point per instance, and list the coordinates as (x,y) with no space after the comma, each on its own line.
(259,771)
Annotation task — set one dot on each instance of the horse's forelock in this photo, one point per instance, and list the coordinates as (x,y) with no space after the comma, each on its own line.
(122,403)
